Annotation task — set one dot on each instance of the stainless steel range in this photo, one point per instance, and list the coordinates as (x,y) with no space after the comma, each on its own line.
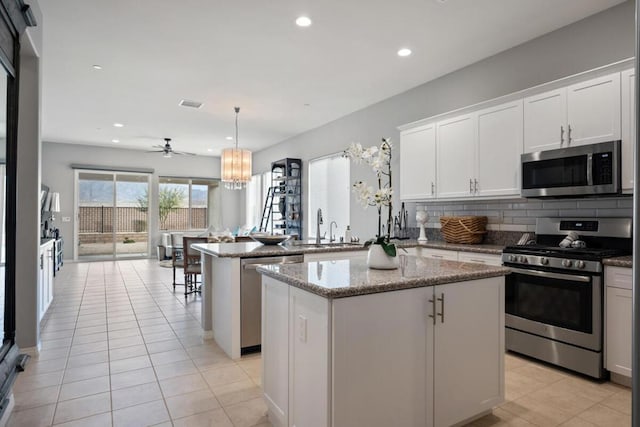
(555,295)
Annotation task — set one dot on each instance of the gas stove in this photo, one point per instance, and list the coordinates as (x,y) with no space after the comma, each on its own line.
(604,238)
(555,295)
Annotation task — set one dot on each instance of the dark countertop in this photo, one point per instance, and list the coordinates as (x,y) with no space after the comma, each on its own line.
(620,261)
(254,249)
(351,277)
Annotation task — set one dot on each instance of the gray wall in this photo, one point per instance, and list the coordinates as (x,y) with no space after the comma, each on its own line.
(595,41)
(28,186)
(58,175)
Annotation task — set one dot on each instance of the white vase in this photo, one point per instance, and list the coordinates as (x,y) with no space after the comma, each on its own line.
(378,259)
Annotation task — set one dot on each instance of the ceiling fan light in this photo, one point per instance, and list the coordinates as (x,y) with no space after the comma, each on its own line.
(167,155)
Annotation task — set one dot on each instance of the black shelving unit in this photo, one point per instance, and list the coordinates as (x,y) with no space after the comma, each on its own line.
(286,200)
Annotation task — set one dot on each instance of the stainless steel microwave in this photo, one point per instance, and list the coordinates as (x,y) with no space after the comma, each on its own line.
(585,170)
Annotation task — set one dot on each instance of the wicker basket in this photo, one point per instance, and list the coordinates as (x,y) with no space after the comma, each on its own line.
(463,229)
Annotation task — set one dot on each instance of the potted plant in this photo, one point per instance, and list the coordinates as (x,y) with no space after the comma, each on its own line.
(382,253)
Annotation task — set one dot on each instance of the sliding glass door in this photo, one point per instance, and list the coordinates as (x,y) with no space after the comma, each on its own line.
(112,215)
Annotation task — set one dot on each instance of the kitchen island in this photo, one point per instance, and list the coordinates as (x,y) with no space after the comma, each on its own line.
(343,345)
(224,294)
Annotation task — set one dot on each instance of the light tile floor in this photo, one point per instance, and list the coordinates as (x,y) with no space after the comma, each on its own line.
(119,348)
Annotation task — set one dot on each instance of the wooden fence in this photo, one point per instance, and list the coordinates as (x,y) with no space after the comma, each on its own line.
(100,219)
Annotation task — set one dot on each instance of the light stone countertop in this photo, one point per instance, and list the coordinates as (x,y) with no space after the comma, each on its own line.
(254,249)
(620,261)
(351,277)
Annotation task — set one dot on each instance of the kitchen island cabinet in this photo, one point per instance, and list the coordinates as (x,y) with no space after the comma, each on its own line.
(344,345)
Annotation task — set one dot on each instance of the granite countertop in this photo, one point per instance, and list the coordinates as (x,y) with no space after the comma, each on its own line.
(619,261)
(253,249)
(351,277)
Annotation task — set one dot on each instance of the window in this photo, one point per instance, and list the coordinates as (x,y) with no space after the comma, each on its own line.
(329,188)
(185,203)
(256,196)
(254,201)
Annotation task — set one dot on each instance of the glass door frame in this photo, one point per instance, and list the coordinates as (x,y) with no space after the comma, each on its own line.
(76,227)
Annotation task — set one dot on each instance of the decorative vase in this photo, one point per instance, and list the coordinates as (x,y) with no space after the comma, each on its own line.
(421,218)
(378,259)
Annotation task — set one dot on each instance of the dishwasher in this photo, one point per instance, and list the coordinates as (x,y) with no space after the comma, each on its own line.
(251,299)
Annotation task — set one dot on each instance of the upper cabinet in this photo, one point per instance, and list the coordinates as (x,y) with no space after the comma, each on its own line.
(593,110)
(477,152)
(628,134)
(545,121)
(583,113)
(418,160)
(456,154)
(499,148)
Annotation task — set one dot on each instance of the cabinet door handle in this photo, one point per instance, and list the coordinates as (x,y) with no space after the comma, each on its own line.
(433,310)
(470,185)
(437,256)
(433,188)
(441,314)
(475,186)
(561,135)
(569,134)
(41,261)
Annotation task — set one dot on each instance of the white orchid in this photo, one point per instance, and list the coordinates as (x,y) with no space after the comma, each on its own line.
(379,159)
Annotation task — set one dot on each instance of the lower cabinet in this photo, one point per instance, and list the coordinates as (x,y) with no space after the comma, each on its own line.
(463,256)
(45,281)
(406,357)
(618,320)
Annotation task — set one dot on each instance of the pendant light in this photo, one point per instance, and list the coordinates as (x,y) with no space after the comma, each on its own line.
(236,164)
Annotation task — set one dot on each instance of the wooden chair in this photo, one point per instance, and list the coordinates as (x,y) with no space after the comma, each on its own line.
(191,264)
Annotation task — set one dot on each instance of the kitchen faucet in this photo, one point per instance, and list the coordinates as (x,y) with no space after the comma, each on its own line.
(332,238)
(319,221)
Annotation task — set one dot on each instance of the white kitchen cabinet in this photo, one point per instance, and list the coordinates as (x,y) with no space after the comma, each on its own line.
(45,278)
(628,134)
(309,339)
(275,349)
(545,120)
(437,253)
(465,386)
(456,157)
(499,149)
(481,258)
(336,363)
(418,163)
(593,110)
(587,112)
(618,319)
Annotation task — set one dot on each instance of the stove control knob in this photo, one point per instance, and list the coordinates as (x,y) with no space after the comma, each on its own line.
(513,258)
(566,263)
(523,259)
(580,264)
(544,261)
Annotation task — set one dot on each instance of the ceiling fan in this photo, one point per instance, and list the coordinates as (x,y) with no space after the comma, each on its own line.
(167,150)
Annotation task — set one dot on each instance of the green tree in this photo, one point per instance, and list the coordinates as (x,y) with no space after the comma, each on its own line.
(169,200)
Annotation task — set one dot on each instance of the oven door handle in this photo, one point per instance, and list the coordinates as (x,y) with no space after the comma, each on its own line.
(575,278)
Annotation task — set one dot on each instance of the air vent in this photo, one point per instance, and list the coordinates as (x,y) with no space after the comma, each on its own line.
(190,104)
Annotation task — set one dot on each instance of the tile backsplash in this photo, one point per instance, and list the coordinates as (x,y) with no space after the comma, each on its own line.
(520,214)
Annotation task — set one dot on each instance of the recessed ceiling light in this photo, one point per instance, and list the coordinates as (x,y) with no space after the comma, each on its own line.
(115,140)
(97,67)
(209,149)
(307,105)
(404,52)
(118,125)
(229,138)
(303,21)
